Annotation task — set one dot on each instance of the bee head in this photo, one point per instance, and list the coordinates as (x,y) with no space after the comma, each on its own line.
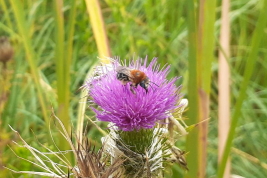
(144,84)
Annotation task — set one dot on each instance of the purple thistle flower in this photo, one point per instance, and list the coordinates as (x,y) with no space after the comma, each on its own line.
(130,111)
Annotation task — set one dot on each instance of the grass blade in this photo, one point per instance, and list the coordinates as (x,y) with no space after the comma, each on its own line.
(192,138)
(224,83)
(31,56)
(62,65)
(98,26)
(205,57)
(69,52)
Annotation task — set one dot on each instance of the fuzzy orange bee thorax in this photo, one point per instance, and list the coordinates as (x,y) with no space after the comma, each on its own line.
(138,76)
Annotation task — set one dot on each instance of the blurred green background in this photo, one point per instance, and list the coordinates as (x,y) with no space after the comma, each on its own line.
(53,54)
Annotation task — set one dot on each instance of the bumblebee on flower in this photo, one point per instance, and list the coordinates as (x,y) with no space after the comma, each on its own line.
(134,96)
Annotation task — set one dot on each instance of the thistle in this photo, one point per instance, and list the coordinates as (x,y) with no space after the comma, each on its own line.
(117,104)
(141,119)
(138,118)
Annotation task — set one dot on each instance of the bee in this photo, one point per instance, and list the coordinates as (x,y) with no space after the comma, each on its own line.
(136,77)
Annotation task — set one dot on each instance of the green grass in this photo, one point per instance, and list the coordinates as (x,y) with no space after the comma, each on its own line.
(54,54)
(193,85)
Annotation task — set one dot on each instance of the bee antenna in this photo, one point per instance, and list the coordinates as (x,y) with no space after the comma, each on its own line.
(153,83)
(151,87)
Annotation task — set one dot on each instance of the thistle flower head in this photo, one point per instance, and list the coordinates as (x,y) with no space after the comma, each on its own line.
(133,111)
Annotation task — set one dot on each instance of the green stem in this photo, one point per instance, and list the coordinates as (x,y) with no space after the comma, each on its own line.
(62,65)
(205,57)
(98,26)
(192,139)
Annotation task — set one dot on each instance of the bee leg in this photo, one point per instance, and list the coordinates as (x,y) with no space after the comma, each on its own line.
(123,82)
(132,89)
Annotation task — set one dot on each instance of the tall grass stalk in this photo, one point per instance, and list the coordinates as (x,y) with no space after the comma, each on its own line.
(62,65)
(224,84)
(201,47)
(82,106)
(69,47)
(193,82)
(205,57)
(98,26)
(63,59)
(251,60)
(30,54)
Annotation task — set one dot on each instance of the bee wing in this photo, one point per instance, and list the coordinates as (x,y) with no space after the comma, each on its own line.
(124,70)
